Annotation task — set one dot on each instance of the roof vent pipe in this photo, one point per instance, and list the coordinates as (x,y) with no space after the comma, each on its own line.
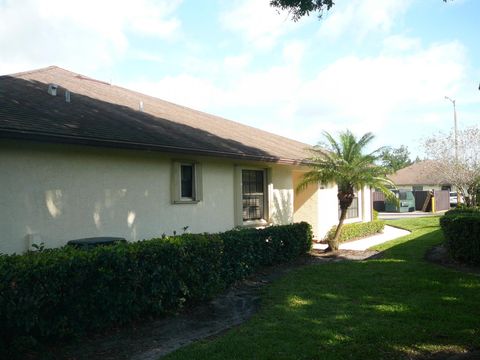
(67,96)
(52,89)
(140,106)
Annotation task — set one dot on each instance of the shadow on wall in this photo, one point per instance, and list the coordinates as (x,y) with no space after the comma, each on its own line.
(69,214)
(283,208)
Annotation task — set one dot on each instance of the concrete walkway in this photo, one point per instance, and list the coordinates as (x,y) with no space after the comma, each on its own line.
(389,233)
(407,215)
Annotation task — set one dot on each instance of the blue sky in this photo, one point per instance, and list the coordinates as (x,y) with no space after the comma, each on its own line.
(367,65)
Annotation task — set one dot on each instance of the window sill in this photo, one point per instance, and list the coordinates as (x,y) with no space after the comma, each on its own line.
(179,202)
(352,220)
(255,223)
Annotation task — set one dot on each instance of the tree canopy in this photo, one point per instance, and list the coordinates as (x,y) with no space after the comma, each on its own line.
(344,162)
(394,159)
(460,169)
(300,8)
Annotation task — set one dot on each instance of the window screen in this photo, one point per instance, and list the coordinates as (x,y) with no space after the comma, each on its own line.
(253,194)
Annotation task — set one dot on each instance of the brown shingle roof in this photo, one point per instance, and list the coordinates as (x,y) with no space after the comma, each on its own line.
(420,173)
(108,115)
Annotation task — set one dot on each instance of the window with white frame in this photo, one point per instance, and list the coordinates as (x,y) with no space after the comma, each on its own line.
(186,182)
(352,211)
(253,194)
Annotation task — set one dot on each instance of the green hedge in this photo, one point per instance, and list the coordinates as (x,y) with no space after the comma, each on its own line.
(462,234)
(464,210)
(65,292)
(357,230)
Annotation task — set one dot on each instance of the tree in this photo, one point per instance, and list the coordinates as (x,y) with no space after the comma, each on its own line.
(461,170)
(300,8)
(395,159)
(343,162)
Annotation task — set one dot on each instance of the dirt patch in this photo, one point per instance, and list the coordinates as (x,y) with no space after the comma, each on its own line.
(152,339)
(439,255)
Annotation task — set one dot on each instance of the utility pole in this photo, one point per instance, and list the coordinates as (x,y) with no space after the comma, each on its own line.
(455,126)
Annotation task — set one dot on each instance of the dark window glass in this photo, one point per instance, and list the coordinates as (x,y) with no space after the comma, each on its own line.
(253,196)
(187,181)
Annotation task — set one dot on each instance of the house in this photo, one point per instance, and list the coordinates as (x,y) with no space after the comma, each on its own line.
(420,176)
(83,158)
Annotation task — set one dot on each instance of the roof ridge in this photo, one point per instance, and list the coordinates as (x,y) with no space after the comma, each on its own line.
(34,71)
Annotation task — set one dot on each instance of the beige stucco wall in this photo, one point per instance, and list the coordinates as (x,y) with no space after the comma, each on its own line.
(281,195)
(327,209)
(58,193)
(306,203)
(55,193)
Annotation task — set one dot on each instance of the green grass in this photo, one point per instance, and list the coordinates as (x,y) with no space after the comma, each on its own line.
(391,308)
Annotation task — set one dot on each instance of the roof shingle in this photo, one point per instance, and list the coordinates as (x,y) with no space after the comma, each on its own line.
(420,173)
(107,115)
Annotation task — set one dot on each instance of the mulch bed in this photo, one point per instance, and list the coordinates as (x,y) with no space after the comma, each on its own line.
(439,255)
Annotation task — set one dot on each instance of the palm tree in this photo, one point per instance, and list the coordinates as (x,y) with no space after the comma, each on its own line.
(343,162)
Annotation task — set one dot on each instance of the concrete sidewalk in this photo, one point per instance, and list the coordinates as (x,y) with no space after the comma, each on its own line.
(407,215)
(389,233)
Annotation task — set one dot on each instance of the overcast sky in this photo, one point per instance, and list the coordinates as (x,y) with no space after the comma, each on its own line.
(368,65)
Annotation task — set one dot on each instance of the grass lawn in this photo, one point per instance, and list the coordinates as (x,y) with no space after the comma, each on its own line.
(396,307)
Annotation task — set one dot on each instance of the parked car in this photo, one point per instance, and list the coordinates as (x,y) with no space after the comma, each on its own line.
(453,198)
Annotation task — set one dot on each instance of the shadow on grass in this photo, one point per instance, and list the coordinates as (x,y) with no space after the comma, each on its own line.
(397,306)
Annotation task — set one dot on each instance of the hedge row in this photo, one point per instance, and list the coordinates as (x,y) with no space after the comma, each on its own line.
(357,230)
(462,234)
(64,292)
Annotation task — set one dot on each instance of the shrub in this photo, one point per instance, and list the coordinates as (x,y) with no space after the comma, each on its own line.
(64,292)
(462,234)
(464,210)
(357,230)
(248,249)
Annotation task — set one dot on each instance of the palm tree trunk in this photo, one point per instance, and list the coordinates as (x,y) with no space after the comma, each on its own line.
(334,243)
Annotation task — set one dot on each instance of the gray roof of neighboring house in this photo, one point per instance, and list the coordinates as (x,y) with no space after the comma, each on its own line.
(106,115)
(420,173)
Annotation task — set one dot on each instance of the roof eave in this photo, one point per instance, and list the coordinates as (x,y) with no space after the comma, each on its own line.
(100,142)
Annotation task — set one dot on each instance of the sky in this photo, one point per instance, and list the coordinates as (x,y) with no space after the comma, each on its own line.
(367,65)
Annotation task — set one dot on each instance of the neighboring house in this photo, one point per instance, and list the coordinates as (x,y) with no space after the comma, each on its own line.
(420,176)
(83,158)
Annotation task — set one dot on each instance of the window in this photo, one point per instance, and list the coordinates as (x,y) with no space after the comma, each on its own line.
(186,182)
(253,194)
(417,187)
(352,211)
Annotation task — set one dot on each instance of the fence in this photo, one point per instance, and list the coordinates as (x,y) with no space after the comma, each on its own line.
(442,200)
(378,200)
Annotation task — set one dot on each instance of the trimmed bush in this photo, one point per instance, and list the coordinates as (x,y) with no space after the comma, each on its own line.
(461,228)
(247,250)
(357,230)
(464,210)
(64,292)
